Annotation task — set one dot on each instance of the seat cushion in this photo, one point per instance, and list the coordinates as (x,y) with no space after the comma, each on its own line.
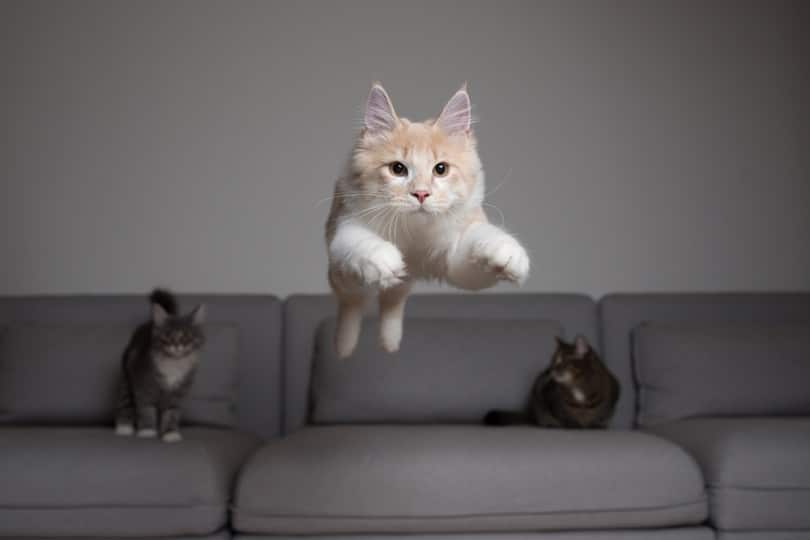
(441,363)
(757,469)
(445,479)
(90,482)
(69,374)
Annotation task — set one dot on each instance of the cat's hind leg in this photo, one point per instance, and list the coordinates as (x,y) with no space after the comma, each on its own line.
(392,310)
(351,305)
(125,412)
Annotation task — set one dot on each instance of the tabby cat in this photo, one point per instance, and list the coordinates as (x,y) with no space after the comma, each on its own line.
(576,391)
(158,367)
(410,207)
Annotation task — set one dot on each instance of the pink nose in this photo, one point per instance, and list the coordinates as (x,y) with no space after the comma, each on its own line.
(421,194)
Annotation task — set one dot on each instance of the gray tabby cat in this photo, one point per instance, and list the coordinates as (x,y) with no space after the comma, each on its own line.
(158,367)
(576,391)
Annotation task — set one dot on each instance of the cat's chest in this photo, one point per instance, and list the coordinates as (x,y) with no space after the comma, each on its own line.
(174,371)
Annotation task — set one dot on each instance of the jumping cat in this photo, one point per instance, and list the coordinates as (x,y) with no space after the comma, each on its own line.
(576,391)
(410,207)
(158,366)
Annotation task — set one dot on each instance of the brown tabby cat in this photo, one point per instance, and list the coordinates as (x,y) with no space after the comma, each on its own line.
(576,391)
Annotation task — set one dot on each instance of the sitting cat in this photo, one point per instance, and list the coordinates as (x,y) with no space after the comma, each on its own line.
(158,366)
(410,207)
(576,391)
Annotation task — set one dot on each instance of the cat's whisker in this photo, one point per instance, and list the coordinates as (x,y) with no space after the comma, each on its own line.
(503,219)
(500,184)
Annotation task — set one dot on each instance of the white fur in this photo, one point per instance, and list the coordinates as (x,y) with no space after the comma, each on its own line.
(124,430)
(172,437)
(174,370)
(579,396)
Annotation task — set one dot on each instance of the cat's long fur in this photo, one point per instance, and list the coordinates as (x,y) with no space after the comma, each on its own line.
(384,230)
(158,367)
(577,390)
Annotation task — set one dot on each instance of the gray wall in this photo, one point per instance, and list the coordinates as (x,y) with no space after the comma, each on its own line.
(640,145)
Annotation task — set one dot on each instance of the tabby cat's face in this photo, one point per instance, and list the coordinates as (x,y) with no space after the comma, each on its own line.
(177,337)
(430,167)
(573,363)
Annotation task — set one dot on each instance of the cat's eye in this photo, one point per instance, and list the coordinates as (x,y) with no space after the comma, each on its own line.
(398,168)
(441,168)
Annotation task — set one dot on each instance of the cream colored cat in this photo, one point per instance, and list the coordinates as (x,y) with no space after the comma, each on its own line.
(410,208)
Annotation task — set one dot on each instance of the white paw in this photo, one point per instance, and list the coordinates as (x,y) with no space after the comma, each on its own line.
(381,267)
(391,334)
(503,256)
(125,430)
(147,433)
(172,436)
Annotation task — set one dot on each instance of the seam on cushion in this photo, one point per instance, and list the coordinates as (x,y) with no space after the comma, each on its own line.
(116,506)
(248,511)
(718,487)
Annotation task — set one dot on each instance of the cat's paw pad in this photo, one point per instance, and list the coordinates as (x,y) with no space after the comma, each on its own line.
(383,267)
(147,433)
(172,437)
(503,256)
(125,430)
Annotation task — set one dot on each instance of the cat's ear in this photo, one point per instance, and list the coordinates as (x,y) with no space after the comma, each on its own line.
(581,346)
(560,342)
(159,315)
(456,117)
(198,315)
(379,115)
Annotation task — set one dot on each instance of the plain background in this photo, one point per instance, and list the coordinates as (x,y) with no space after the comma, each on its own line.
(631,145)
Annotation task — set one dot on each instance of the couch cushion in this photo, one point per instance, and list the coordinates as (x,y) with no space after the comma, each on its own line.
(757,469)
(721,370)
(447,370)
(437,479)
(69,373)
(88,481)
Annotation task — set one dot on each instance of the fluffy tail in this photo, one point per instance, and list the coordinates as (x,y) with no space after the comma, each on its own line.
(164,299)
(506,418)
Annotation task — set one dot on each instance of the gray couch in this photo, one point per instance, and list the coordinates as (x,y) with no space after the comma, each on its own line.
(711,437)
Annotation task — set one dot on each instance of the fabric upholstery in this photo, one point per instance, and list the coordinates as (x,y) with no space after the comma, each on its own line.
(757,469)
(303,315)
(447,370)
(688,370)
(763,535)
(221,535)
(463,479)
(70,374)
(619,314)
(256,317)
(91,482)
(684,533)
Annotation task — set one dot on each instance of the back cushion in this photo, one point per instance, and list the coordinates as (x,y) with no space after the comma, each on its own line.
(691,370)
(447,370)
(69,374)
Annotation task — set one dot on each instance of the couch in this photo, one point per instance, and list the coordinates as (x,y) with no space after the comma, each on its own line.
(711,437)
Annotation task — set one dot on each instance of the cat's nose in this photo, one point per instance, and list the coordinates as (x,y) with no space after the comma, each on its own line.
(421,194)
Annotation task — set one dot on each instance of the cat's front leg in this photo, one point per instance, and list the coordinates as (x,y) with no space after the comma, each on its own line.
(147,421)
(485,255)
(360,262)
(170,425)
(392,311)
(359,255)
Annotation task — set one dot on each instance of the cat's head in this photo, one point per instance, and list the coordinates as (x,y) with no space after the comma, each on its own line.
(573,364)
(430,167)
(177,336)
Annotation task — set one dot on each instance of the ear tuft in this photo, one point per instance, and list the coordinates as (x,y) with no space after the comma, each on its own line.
(159,315)
(379,115)
(582,346)
(456,117)
(198,315)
